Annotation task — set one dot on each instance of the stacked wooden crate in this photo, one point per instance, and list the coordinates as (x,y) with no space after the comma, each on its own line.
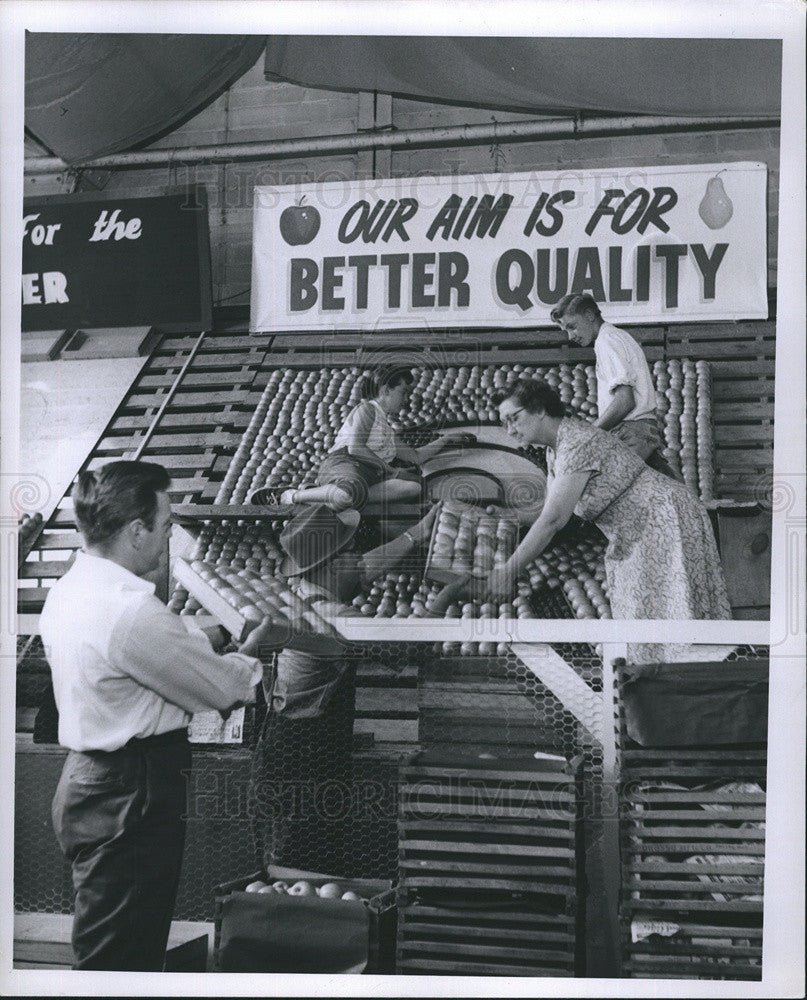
(693,844)
(489,866)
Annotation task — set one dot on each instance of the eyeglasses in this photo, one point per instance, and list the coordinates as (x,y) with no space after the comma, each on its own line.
(508,420)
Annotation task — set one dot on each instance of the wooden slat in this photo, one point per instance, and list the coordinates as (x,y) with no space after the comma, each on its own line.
(751,869)
(31,599)
(199,461)
(702,817)
(540,886)
(669,886)
(45,570)
(415,929)
(546,771)
(448,827)
(665,795)
(211,402)
(427,966)
(646,849)
(535,953)
(436,865)
(172,441)
(235,419)
(232,342)
(60,540)
(394,703)
(519,914)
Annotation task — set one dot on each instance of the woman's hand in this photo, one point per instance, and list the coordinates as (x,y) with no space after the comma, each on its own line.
(422,531)
(500,584)
(458,590)
(454,439)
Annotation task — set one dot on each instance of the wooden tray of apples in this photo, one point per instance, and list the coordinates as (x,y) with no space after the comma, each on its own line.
(469,540)
(241,599)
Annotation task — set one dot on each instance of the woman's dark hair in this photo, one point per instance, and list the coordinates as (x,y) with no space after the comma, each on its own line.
(118,493)
(384,377)
(575,303)
(533,395)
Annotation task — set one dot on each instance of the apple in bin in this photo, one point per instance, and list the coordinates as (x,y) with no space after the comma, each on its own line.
(299,224)
(330,890)
(302,889)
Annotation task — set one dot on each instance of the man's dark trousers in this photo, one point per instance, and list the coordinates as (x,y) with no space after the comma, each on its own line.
(120,820)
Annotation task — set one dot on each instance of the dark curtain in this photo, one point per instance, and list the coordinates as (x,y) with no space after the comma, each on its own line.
(702,77)
(87,95)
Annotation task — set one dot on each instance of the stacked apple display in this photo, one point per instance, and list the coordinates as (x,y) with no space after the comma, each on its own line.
(257,598)
(231,545)
(301,410)
(576,567)
(467,540)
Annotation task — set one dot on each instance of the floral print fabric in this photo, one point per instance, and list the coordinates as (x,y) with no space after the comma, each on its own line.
(662,560)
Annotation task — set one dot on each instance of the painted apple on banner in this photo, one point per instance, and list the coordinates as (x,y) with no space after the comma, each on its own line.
(299,224)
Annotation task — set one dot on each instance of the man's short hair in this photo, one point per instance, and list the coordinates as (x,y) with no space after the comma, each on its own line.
(117,494)
(575,303)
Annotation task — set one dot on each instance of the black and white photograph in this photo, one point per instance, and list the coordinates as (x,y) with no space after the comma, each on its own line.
(403,499)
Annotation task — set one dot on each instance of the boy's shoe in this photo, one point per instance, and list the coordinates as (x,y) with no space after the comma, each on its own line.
(272,496)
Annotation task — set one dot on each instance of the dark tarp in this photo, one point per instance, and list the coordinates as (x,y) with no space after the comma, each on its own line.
(88,95)
(699,77)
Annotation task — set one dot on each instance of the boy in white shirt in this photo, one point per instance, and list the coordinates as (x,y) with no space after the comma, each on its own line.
(626,397)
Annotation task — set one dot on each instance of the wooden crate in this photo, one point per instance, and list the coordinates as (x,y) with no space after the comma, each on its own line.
(452,811)
(489,871)
(693,841)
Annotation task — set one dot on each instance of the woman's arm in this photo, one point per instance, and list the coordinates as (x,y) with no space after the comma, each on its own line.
(561,497)
(420,455)
(378,561)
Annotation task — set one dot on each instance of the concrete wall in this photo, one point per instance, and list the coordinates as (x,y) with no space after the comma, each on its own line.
(255,109)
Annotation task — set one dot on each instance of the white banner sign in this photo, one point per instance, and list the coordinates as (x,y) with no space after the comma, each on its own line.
(652,244)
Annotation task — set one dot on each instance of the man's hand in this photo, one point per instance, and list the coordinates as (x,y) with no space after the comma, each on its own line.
(264,639)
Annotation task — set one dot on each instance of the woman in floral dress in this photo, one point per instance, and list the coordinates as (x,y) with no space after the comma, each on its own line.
(661,561)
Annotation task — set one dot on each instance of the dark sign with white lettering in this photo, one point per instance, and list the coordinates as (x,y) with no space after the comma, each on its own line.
(91,261)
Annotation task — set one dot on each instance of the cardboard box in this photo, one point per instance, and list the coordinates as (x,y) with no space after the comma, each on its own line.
(277,932)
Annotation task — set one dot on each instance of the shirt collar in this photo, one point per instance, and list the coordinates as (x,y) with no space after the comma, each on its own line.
(111,572)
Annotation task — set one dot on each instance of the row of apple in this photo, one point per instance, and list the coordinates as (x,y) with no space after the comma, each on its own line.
(257,598)
(468,540)
(301,410)
(329,890)
(249,550)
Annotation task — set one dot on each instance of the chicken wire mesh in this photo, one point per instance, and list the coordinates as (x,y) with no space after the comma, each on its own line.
(488,705)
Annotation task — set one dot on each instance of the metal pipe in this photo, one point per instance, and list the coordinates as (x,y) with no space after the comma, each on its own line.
(421,138)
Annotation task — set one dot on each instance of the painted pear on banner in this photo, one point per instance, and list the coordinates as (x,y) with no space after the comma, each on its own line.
(716,208)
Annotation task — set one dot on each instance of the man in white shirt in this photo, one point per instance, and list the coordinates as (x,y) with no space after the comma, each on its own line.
(127,676)
(626,397)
